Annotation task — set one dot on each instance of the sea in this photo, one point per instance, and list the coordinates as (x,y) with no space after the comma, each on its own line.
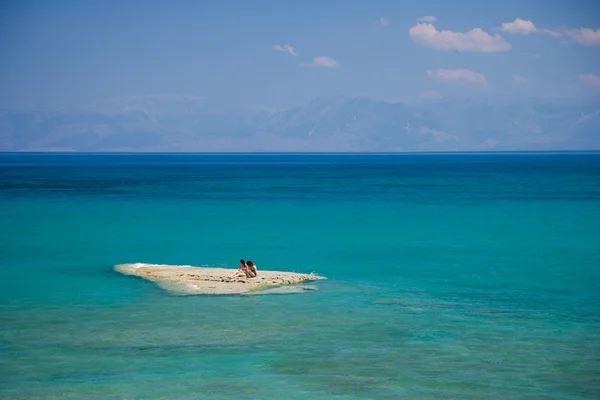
(449,276)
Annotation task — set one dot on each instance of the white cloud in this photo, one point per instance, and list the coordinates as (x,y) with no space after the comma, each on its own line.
(519,26)
(458,76)
(475,40)
(384,21)
(550,32)
(325,62)
(428,18)
(590,80)
(286,48)
(518,79)
(584,36)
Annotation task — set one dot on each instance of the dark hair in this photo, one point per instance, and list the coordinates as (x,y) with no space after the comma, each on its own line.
(250,263)
(242,261)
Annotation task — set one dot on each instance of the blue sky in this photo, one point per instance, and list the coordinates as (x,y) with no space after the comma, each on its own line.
(60,53)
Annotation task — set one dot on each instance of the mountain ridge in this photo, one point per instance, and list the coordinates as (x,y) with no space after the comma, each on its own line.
(173,123)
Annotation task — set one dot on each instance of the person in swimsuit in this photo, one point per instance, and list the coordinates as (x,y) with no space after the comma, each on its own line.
(252,271)
(241,271)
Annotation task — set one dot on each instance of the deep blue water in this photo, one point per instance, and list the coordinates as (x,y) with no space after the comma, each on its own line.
(451,276)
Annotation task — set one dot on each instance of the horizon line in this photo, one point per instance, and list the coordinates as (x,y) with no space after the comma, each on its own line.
(449,152)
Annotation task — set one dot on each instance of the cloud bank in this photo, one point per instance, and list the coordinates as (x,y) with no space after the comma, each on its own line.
(583,36)
(475,40)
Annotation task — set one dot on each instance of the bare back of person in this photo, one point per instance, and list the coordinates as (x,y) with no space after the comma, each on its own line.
(252,271)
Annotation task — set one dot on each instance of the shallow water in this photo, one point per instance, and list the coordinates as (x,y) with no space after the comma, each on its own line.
(466,276)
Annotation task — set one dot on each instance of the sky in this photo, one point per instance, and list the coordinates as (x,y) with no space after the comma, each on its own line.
(285,53)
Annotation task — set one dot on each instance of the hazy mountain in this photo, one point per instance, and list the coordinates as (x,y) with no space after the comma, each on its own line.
(187,123)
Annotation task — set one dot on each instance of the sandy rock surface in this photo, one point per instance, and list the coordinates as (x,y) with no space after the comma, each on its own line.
(197,280)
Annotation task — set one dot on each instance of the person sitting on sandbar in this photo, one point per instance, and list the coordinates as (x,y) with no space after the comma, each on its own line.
(252,272)
(241,271)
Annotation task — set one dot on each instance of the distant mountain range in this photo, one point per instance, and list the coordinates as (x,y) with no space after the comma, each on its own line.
(188,123)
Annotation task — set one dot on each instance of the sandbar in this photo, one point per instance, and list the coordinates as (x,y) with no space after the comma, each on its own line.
(190,280)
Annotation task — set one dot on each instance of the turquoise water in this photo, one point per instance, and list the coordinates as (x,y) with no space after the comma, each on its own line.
(450,276)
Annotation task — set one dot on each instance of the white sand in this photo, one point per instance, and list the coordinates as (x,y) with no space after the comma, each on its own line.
(196,280)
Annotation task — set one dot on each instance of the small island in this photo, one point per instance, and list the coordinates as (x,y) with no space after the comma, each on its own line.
(189,280)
